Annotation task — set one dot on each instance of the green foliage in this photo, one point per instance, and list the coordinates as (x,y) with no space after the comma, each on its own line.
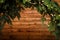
(9,9)
(51,26)
(43,19)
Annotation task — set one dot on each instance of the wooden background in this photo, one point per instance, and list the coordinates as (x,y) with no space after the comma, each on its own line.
(29,27)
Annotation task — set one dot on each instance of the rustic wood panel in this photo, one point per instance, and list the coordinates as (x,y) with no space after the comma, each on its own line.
(29,27)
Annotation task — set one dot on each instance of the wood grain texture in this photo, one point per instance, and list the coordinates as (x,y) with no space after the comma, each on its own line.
(29,27)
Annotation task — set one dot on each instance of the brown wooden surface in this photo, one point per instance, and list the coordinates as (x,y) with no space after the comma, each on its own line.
(29,27)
